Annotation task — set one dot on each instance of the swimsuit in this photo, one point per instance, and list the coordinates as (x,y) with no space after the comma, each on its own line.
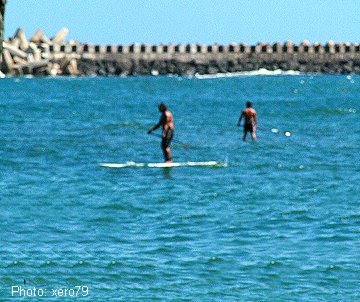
(248,127)
(165,142)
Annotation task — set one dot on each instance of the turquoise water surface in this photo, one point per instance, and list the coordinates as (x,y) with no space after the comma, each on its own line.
(280,223)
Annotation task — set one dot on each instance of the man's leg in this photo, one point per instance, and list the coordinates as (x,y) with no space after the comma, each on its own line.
(166,151)
(166,146)
(253,135)
(168,155)
(245,132)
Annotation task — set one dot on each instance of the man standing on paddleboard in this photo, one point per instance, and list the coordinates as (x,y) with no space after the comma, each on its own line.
(167,123)
(249,114)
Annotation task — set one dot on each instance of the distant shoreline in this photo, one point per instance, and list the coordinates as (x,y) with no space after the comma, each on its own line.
(41,56)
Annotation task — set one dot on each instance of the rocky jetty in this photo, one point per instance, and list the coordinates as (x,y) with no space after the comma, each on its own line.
(33,57)
(43,56)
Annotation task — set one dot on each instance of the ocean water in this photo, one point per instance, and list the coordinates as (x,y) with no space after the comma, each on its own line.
(280,223)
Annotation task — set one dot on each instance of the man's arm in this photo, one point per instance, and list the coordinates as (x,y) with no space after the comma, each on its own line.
(240,118)
(255,120)
(156,126)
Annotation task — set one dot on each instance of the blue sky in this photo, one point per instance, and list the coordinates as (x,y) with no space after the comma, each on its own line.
(186,21)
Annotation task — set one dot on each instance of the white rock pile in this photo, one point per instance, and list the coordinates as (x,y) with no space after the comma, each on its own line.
(33,56)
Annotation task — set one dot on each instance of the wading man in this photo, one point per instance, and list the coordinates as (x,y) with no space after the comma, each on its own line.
(249,114)
(167,123)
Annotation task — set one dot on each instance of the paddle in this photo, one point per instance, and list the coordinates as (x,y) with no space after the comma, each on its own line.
(174,140)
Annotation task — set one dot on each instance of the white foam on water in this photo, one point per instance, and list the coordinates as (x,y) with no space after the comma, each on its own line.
(260,72)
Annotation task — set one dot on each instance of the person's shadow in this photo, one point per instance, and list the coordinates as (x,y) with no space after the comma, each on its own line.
(167,173)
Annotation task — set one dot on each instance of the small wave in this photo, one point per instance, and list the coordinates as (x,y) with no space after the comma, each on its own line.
(260,72)
(214,259)
(274,263)
(333,111)
(7,280)
(118,207)
(332,267)
(16,264)
(38,280)
(174,238)
(48,264)
(346,110)
(114,263)
(196,216)
(104,220)
(82,264)
(333,238)
(295,211)
(72,280)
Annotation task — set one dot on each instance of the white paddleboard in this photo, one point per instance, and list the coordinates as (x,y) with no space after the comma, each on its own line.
(125,165)
(132,164)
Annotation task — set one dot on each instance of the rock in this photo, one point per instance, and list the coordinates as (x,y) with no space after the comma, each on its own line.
(72,69)
(20,34)
(19,60)
(39,37)
(60,36)
(14,50)
(8,60)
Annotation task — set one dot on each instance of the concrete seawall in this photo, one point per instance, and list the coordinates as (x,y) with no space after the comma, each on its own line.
(209,59)
(43,56)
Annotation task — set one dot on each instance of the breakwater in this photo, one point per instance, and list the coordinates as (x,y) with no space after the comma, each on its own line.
(43,56)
